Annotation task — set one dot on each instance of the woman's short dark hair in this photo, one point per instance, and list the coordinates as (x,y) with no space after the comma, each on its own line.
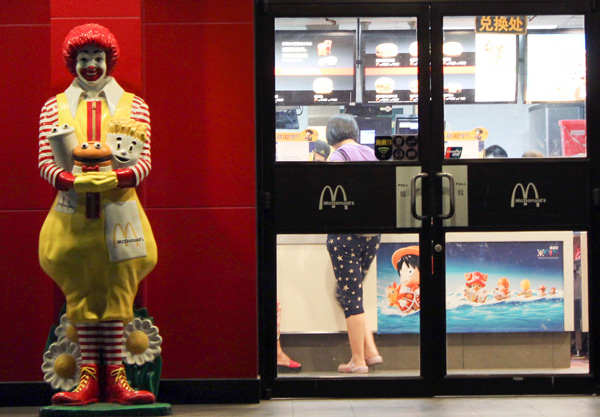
(341,127)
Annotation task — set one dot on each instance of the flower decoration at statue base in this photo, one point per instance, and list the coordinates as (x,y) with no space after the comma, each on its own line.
(61,365)
(142,341)
(142,358)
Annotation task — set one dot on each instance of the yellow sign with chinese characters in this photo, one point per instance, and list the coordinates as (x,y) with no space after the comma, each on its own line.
(479,133)
(307,135)
(513,25)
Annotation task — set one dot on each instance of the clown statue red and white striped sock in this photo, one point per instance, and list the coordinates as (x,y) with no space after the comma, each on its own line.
(88,390)
(118,389)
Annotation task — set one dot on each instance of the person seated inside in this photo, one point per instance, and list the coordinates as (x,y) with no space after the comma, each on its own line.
(495,151)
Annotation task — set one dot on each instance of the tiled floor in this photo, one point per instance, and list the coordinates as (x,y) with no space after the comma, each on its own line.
(556,406)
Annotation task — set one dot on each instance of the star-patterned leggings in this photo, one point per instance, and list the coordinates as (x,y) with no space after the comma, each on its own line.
(351,255)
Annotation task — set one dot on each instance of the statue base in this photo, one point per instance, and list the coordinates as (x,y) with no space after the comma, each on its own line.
(106,409)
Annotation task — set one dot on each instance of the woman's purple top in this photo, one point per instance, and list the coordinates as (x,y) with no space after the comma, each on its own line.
(353,152)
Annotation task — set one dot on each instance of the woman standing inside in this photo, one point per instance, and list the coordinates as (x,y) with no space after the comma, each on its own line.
(352,254)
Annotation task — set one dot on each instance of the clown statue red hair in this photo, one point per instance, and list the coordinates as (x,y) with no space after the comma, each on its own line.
(97,272)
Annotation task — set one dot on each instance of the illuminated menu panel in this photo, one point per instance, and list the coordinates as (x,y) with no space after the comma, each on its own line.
(459,66)
(390,67)
(314,67)
(496,74)
(556,67)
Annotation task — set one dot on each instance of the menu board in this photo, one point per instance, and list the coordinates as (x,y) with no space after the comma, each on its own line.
(556,67)
(390,66)
(314,67)
(477,68)
(496,68)
(459,66)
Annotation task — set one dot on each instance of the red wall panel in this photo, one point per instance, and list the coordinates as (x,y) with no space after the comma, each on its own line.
(19,12)
(87,8)
(27,296)
(202,293)
(160,11)
(201,93)
(24,90)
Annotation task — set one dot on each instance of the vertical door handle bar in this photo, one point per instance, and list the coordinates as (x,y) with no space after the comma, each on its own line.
(452,198)
(413,195)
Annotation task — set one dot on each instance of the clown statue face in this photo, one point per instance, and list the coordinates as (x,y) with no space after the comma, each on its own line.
(91,66)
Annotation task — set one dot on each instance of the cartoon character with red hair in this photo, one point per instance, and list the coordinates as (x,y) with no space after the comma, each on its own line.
(501,292)
(97,261)
(475,290)
(542,290)
(407,295)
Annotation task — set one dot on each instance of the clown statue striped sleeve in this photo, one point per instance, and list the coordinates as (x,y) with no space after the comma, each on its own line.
(141,113)
(61,180)
(49,170)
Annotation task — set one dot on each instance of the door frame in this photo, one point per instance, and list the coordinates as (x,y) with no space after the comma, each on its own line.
(434,379)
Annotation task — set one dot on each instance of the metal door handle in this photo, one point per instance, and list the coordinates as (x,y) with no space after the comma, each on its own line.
(413,196)
(452,198)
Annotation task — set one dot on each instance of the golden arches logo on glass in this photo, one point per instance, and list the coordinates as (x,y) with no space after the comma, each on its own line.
(333,195)
(524,199)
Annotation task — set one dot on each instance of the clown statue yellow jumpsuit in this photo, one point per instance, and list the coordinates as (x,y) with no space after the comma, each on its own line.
(82,253)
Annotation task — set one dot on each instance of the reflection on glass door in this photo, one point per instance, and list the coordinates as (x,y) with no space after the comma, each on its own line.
(312,325)
(365,67)
(516,302)
(514,86)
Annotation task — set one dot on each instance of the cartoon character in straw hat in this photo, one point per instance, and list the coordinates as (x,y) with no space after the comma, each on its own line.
(407,295)
(475,287)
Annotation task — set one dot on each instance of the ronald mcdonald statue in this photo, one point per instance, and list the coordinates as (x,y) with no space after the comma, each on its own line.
(96,242)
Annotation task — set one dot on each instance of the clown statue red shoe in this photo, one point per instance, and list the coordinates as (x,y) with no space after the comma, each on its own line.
(96,243)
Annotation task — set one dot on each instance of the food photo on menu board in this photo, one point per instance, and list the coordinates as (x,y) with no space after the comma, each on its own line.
(314,67)
(390,60)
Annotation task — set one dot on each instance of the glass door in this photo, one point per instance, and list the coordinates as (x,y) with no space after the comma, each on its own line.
(344,174)
(381,189)
(513,143)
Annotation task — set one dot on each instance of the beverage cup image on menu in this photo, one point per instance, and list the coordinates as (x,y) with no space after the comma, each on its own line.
(386,50)
(384,85)
(324,48)
(323,85)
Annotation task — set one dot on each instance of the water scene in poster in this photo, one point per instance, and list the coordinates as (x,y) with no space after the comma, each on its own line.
(491,287)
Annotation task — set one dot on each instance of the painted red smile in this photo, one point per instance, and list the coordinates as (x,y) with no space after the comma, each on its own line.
(91,73)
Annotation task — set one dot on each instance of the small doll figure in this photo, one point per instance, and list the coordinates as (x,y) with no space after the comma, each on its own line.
(526,289)
(406,296)
(97,261)
(502,292)
(475,287)
(542,290)
(552,291)
(127,139)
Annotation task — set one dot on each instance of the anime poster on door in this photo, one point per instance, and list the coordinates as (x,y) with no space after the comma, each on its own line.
(398,288)
(491,287)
